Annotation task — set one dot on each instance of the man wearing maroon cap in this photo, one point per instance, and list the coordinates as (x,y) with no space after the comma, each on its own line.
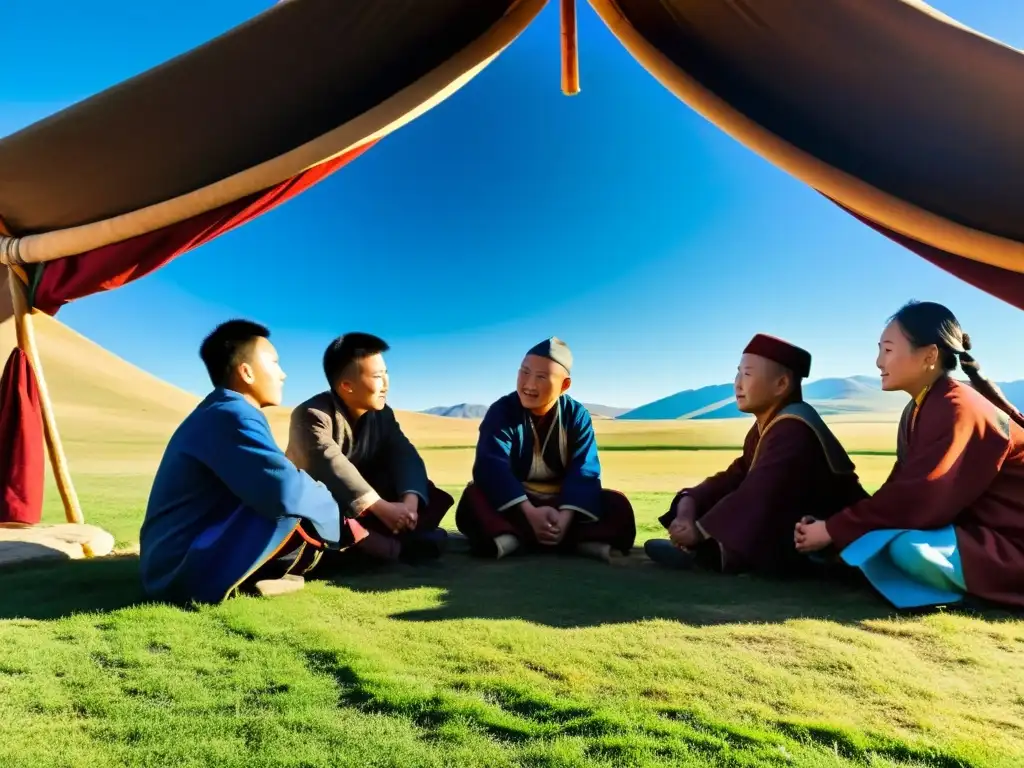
(792,466)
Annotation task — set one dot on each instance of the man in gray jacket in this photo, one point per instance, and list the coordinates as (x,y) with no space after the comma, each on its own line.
(349,439)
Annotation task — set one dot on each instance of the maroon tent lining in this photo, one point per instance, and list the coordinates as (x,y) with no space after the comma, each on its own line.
(919,108)
(22,452)
(1002,283)
(111,266)
(291,74)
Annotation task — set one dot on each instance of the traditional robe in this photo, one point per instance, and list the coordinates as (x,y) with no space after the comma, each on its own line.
(362,463)
(792,467)
(553,463)
(226,501)
(959,478)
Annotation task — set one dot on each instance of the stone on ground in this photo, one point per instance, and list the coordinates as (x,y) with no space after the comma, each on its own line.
(68,541)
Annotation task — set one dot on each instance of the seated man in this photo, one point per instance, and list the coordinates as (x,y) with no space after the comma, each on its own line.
(537,477)
(348,438)
(792,466)
(227,508)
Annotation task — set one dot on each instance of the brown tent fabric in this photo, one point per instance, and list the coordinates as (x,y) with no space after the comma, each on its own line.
(904,100)
(886,106)
(897,113)
(286,77)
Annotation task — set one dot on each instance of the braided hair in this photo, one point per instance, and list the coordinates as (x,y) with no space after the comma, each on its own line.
(925,323)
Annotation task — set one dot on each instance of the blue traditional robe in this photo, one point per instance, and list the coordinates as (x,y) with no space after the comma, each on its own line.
(514,462)
(224,501)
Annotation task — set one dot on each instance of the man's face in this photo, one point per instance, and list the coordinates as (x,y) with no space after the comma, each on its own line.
(261,374)
(540,383)
(760,384)
(364,386)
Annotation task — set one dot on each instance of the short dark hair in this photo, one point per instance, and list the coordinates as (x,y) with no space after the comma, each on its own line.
(229,344)
(347,349)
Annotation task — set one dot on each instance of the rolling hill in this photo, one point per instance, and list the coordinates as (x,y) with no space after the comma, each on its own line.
(103,402)
(475,411)
(842,397)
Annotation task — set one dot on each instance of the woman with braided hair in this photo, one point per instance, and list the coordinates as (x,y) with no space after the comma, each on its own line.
(949,521)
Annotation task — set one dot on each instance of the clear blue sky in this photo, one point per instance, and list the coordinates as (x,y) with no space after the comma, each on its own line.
(617,219)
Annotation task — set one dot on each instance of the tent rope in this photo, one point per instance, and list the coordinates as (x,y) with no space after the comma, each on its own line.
(570,49)
(10,251)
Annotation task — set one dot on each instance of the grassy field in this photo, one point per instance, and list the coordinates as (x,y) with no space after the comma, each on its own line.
(528,662)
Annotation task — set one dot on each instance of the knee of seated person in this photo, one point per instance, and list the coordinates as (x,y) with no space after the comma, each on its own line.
(904,549)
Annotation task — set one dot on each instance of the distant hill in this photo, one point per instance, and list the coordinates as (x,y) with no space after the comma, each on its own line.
(460,411)
(831,397)
(683,404)
(473,411)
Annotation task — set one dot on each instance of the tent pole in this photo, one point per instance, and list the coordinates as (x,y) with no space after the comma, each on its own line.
(570,49)
(27,343)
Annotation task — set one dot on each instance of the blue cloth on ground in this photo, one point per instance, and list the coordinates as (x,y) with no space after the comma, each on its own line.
(911,569)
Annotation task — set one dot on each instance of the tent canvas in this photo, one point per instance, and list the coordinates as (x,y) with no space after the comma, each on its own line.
(899,115)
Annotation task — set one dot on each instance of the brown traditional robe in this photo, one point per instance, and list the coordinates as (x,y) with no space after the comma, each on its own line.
(960,462)
(362,463)
(792,467)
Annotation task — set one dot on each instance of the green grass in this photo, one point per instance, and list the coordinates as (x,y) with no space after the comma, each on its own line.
(541,662)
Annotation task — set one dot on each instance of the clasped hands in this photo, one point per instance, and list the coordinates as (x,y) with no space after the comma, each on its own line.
(683,531)
(549,524)
(810,535)
(398,516)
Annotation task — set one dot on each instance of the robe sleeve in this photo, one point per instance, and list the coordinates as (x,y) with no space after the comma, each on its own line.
(581,486)
(492,467)
(770,487)
(952,460)
(312,446)
(406,465)
(708,493)
(242,453)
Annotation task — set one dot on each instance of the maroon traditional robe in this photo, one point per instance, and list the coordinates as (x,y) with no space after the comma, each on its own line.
(792,467)
(960,462)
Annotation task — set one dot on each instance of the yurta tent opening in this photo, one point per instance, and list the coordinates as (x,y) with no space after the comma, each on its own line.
(896,113)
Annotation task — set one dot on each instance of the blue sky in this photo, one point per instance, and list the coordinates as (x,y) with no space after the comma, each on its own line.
(618,219)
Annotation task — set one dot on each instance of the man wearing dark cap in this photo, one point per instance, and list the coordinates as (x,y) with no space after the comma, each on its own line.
(537,476)
(792,466)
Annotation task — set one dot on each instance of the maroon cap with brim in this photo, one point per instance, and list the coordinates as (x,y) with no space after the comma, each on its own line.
(782,352)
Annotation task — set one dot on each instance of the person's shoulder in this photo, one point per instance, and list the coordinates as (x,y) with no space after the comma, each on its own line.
(223,410)
(321,401)
(960,404)
(796,425)
(385,415)
(575,409)
(505,405)
(950,403)
(320,405)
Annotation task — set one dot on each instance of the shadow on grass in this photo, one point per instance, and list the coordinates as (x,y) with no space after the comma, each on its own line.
(571,592)
(54,590)
(550,590)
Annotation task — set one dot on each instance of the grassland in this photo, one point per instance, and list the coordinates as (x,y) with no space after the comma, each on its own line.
(535,662)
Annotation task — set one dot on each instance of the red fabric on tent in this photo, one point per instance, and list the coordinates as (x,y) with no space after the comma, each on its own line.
(111,266)
(22,453)
(1002,283)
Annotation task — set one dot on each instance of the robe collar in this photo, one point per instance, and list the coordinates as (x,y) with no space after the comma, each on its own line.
(774,414)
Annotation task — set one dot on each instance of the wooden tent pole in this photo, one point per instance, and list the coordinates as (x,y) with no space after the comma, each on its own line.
(27,343)
(570,50)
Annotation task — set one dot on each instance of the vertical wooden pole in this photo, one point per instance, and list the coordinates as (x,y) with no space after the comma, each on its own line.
(27,342)
(570,50)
